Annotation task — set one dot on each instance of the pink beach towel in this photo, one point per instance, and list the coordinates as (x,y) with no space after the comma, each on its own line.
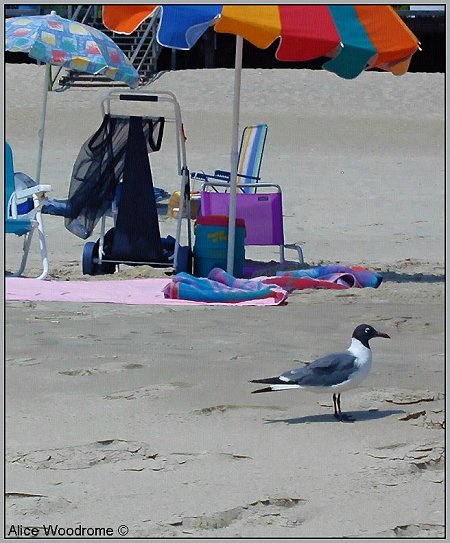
(125,291)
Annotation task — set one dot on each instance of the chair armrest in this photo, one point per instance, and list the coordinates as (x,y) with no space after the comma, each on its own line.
(36,189)
(221,174)
(199,175)
(218,174)
(226,174)
(248,176)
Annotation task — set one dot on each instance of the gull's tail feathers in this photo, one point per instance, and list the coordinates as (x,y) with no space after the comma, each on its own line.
(275,384)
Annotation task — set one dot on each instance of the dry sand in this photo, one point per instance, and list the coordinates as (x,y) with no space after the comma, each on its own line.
(142,416)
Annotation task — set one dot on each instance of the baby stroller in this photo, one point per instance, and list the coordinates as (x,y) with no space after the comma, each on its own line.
(112,178)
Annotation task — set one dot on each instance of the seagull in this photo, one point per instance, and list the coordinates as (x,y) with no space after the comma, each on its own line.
(334,372)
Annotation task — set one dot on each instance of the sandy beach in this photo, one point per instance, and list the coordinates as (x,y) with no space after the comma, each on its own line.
(141,416)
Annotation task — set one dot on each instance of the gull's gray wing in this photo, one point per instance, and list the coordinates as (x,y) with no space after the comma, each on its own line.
(328,370)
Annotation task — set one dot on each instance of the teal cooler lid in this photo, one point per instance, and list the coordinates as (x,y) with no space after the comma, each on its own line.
(218,220)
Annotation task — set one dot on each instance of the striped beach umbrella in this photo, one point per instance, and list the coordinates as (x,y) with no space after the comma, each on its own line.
(353,37)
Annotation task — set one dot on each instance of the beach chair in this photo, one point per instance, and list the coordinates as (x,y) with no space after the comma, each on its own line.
(23,212)
(262,212)
(251,151)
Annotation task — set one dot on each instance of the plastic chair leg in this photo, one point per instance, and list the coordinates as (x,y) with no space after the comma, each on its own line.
(26,250)
(297,248)
(43,246)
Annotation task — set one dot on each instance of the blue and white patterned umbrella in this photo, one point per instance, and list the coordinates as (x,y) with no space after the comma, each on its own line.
(54,40)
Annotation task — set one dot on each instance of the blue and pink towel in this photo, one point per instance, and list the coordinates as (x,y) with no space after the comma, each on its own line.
(219,286)
(332,276)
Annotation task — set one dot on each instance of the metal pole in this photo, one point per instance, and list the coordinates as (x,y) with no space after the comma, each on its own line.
(234,154)
(42,126)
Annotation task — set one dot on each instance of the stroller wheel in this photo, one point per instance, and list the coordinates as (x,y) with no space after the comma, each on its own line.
(89,264)
(184,263)
(90,252)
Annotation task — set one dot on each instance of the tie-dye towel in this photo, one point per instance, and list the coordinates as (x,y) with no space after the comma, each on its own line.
(329,276)
(220,286)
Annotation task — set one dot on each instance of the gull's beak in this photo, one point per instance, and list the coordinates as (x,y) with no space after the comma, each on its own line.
(382,334)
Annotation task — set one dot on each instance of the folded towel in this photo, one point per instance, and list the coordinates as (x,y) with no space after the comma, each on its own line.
(220,286)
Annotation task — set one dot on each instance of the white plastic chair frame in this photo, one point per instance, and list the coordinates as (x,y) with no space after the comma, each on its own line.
(37,192)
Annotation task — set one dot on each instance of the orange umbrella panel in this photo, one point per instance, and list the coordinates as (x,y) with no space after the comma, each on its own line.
(125,19)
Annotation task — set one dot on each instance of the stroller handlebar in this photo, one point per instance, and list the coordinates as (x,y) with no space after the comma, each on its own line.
(139,97)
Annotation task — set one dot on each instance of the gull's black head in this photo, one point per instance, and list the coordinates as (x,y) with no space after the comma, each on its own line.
(365,332)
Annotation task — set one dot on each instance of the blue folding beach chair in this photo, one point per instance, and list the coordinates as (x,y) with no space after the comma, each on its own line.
(251,151)
(23,212)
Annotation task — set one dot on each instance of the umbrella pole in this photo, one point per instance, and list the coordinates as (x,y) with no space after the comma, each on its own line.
(42,126)
(234,154)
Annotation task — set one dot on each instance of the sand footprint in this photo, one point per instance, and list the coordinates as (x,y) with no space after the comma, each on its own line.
(400,396)
(432,417)
(231,407)
(410,531)
(397,463)
(131,455)
(265,511)
(35,505)
(21,362)
(85,456)
(150,391)
(111,367)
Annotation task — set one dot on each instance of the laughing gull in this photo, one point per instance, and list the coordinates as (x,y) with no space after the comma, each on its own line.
(334,372)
